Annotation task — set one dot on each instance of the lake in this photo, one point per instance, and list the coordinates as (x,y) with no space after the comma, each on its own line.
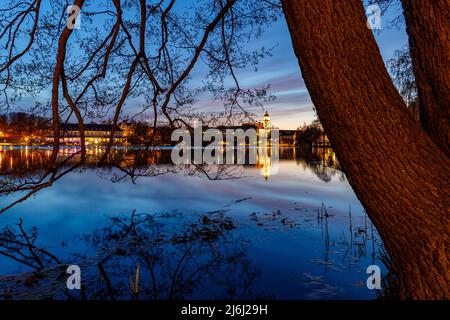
(238,232)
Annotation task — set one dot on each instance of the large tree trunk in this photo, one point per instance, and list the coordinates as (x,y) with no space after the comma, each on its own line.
(428,27)
(397,172)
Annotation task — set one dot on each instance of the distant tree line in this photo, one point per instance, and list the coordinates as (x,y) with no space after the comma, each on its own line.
(312,134)
(20,124)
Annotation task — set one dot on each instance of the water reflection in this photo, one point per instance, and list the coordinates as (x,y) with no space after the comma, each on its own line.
(297,234)
(31,170)
(27,160)
(138,257)
(174,256)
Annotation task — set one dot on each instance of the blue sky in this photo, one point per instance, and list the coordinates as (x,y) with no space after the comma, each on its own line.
(292,106)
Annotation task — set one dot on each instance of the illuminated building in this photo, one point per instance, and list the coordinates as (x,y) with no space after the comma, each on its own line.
(265,132)
(95,134)
(266,121)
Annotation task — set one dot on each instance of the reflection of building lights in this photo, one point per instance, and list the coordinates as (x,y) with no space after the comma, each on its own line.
(266,167)
(264,161)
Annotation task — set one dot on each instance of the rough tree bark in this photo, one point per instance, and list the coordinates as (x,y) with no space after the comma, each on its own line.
(397,172)
(428,27)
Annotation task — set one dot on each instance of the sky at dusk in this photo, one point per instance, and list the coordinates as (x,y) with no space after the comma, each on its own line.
(292,106)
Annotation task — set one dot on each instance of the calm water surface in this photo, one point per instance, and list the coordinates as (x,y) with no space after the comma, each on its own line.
(297,234)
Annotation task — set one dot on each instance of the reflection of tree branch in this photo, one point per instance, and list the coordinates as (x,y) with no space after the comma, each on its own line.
(30,245)
(37,258)
(22,261)
(201,251)
(34,188)
(106,277)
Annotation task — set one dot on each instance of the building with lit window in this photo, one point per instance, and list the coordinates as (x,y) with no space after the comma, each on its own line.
(95,134)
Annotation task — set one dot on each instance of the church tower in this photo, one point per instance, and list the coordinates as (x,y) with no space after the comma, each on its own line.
(266,121)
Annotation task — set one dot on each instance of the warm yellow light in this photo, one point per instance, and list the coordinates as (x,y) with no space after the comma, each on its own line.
(266,123)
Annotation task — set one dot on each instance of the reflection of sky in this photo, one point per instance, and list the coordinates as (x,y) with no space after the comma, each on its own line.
(293,105)
(79,203)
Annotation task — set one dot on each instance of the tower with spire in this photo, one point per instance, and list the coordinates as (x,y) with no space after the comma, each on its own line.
(266,121)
